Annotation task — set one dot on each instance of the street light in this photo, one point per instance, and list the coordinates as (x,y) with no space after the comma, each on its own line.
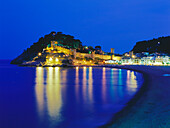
(39,54)
(56,59)
(51,59)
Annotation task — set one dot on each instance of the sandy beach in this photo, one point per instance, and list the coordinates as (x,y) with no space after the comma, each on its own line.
(150,107)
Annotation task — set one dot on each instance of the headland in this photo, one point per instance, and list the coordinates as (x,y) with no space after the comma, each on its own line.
(58,49)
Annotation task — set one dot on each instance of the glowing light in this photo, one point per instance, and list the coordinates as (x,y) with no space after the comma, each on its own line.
(133,56)
(56,59)
(57,68)
(39,54)
(50,58)
(166,74)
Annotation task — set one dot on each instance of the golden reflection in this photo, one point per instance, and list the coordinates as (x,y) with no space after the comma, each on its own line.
(114,69)
(64,80)
(53,93)
(128,77)
(39,89)
(77,82)
(133,80)
(128,74)
(84,82)
(64,76)
(104,84)
(90,88)
(114,76)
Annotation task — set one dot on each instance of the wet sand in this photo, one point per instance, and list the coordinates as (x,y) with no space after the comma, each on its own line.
(150,107)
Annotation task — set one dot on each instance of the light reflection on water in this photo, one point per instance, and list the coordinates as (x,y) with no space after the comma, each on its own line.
(51,92)
(77,83)
(84,84)
(93,97)
(104,84)
(131,80)
(90,85)
(39,88)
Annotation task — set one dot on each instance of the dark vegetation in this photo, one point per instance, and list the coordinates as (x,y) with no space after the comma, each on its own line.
(160,45)
(30,53)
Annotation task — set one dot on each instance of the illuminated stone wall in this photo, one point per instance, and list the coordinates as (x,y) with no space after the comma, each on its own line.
(116,57)
(83,55)
(104,57)
(64,50)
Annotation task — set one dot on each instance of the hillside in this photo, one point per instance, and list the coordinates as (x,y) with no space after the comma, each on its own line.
(160,45)
(62,39)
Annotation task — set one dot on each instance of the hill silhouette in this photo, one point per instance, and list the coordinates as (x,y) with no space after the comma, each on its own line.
(160,45)
(62,39)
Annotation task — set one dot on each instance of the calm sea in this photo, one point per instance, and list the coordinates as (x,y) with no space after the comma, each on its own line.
(52,97)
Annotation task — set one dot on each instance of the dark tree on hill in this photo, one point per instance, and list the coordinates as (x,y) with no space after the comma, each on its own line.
(97,47)
(160,45)
(91,48)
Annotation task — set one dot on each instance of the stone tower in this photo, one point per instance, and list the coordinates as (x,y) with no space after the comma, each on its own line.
(112,50)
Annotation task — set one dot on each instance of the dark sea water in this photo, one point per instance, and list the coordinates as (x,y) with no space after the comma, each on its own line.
(51,97)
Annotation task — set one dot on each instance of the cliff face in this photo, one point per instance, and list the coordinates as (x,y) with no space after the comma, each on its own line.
(43,42)
(160,45)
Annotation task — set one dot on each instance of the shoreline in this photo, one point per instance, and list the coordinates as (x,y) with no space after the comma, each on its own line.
(139,110)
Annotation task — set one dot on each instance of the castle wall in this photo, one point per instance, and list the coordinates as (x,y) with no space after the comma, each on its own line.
(104,57)
(116,58)
(83,55)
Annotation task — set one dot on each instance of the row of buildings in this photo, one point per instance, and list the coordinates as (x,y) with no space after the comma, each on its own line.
(55,54)
(142,59)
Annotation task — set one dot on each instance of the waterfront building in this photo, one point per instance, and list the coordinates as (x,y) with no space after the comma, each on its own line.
(148,60)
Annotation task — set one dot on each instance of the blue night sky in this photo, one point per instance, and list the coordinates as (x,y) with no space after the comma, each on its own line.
(109,23)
